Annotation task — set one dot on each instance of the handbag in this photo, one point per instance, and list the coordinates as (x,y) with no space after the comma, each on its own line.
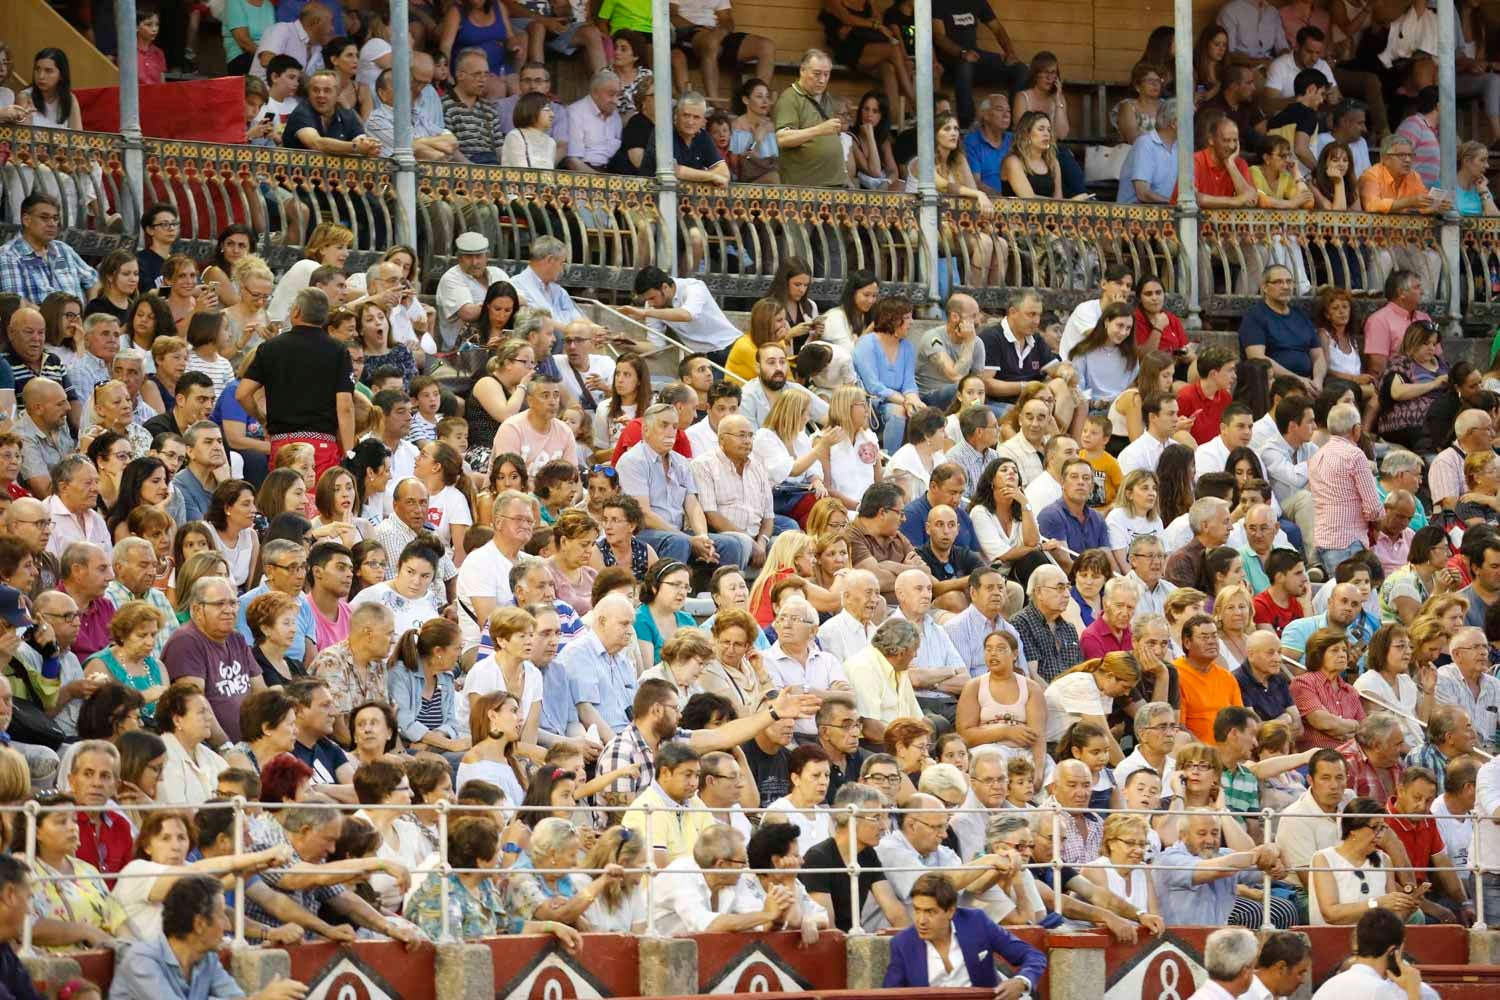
(29,721)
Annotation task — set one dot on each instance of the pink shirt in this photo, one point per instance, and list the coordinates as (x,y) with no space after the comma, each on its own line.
(1392,552)
(1387,325)
(329,633)
(1292,22)
(1344,496)
(518,436)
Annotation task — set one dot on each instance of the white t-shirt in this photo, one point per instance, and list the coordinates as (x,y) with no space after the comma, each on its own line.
(1069,698)
(1123,527)
(773,453)
(486,677)
(485,573)
(1404,697)
(907,460)
(700,12)
(143,921)
(1281,75)
(368,71)
(632,911)
(851,466)
(445,509)
(409,613)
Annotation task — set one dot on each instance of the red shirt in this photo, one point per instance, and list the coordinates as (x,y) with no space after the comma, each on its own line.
(630,436)
(1173,335)
(1211,178)
(1420,837)
(1319,692)
(1205,411)
(152,64)
(1098,639)
(111,850)
(1268,612)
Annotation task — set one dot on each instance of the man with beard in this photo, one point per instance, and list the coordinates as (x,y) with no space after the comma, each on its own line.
(761,392)
(1196,878)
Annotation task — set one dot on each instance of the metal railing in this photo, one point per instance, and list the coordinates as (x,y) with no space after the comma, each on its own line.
(734,238)
(32,812)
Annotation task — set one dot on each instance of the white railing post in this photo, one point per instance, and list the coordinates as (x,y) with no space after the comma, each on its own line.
(30,812)
(926,149)
(1187,202)
(1057,864)
(666,166)
(1474,820)
(1450,237)
(130,111)
(1265,838)
(406,160)
(856,926)
(239,876)
(444,869)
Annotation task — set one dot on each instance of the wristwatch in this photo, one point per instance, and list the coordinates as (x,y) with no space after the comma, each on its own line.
(1373,904)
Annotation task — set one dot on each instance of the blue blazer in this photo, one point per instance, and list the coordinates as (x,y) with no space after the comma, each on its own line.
(980,939)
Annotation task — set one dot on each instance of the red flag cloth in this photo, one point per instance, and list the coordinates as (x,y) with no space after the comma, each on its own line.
(192,110)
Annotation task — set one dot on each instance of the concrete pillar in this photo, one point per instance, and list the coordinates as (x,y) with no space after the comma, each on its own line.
(51,971)
(669,966)
(666,164)
(1187,203)
(868,957)
(1484,947)
(1075,973)
(406,161)
(926,150)
(256,968)
(464,972)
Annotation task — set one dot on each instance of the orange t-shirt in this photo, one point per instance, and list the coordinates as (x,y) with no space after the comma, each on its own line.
(1203,694)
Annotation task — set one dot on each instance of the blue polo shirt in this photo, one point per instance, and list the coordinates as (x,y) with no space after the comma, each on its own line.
(1289,340)
(984,159)
(1269,701)
(1057,521)
(1152,161)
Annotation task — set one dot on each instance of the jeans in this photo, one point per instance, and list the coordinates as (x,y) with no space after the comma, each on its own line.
(989,70)
(1330,558)
(783,523)
(894,417)
(731,549)
(941,396)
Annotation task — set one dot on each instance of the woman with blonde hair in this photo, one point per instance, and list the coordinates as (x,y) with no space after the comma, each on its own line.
(853,462)
(328,244)
(1031,169)
(1448,608)
(830,559)
(827,516)
(1137,511)
(1093,684)
(1127,838)
(1429,640)
(796,467)
(791,553)
(248,324)
(620,908)
(1235,616)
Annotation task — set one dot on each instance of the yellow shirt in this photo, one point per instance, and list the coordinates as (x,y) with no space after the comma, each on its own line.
(675,833)
(741,360)
(880,694)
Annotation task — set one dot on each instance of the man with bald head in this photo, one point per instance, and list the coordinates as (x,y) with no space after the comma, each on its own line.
(850,631)
(25,350)
(1264,687)
(601,680)
(945,354)
(1390,537)
(1344,607)
(585,375)
(36,263)
(27,519)
(43,430)
(918,844)
(1196,877)
(1260,526)
(734,490)
(949,562)
(1082,833)
(430,140)
(938,674)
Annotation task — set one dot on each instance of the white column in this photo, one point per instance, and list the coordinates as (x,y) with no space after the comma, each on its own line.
(926,153)
(666,167)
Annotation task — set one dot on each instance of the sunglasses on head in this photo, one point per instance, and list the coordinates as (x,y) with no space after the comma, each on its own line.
(608,471)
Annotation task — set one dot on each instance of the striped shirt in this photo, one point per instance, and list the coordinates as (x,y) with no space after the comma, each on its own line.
(34,276)
(476,126)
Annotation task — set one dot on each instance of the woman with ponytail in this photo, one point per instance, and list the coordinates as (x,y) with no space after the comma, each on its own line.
(420,686)
(1088,692)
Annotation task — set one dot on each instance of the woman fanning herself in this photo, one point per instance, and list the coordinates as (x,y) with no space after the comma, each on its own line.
(1004,707)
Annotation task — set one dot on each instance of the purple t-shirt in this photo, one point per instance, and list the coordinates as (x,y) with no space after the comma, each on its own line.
(224,667)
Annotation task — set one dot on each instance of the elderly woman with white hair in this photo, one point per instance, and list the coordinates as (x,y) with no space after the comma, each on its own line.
(542,887)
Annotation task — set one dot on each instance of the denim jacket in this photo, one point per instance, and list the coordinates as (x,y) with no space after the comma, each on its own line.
(404,687)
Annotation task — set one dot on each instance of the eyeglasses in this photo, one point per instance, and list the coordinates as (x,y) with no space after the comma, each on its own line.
(167,224)
(67,617)
(298,567)
(882,779)
(229,602)
(848,727)
(576,341)
(938,827)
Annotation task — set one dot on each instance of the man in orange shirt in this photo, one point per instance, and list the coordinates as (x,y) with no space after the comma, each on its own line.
(1206,686)
(1392,185)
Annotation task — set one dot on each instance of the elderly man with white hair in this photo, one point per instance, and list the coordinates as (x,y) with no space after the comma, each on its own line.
(939,673)
(1473,432)
(1196,878)
(1345,500)
(135,568)
(1229,958)
(735,489)
(594,124)
(881,681)
(695,893)
(986,789)
(1208,519)
(850,631)
(1051,640)
(601,678)
(794,659)
(539,285)
(1468,684)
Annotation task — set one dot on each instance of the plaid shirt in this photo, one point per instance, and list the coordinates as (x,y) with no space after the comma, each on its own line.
(1344,497)
(34,276)
(1365,779)
(310,900)
(629,747)
(1056,648)
(1432,758)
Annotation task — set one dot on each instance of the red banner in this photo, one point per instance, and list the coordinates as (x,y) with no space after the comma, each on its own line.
(193,110)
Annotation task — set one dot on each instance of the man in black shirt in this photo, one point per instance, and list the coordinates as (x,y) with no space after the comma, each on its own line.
(838,734)
(637,153)
(697,157)
(1308,89)
(194,395)
(309,384)
(1236,101)
(15,896)
(769,760)
(955,36)
(878,905)
(161,226)
(323,125)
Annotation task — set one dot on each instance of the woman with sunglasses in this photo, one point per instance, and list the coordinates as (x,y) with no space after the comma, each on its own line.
(1347,877)
(660,616)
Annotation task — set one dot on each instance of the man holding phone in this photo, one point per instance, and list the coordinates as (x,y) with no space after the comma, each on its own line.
(1379,970)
